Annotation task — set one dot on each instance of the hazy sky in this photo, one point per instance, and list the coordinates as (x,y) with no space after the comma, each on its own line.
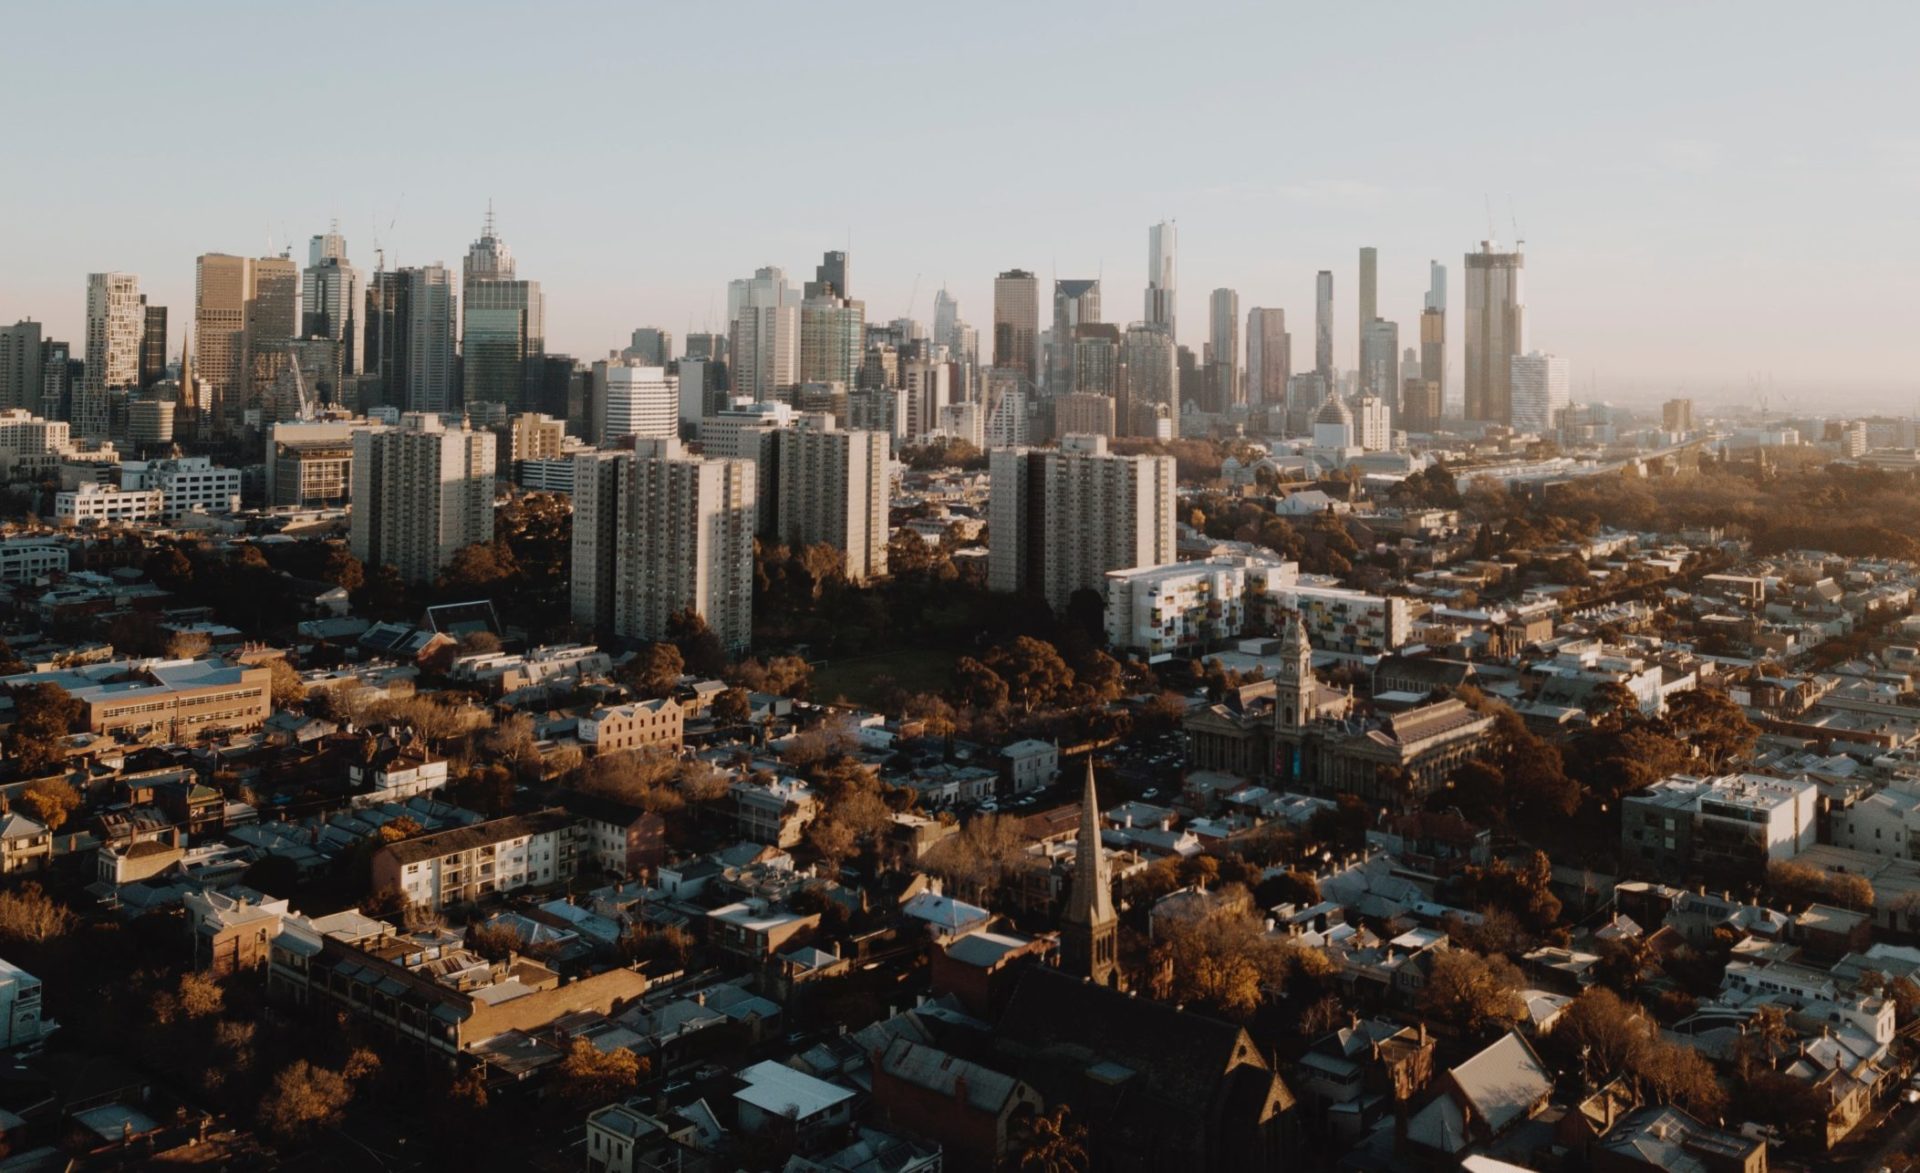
(1710,193)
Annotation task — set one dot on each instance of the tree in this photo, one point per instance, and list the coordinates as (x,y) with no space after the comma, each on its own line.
(655,670)
(29,916)
(1474,993)
(1225,959)
(44,715)
(1052,1142)
(1033,670)
(978,684)
(699,647)
(284,679)
(188,645)
(589,1077)
(1715,726)
(51,800)
(733,706)
(481,569)
(200,996)
(304,1099)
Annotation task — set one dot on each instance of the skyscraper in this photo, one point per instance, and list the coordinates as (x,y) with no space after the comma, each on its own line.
(153,346)
(764,316)
(830,277)
(331,300)
(634,401)
(1541,388)
(1269,357)
(1380,359)
(1369,298)
(1223,350)
(833,333)
(116,322)
(273,321)
(421,492)
(1676,415)
(1323,326)
(833,489)
(1496,330)
(432,310)
(21,377)
(657,533)
(1433,329)
(1060,520)
(1162,285)
(503,328)
(1076,302)
(650,346)
(1151,383)
(1016,323)
(946,317)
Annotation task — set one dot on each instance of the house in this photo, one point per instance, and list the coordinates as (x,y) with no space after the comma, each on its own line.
(621,1138)
(776,813)
(981,968)
(1482,1099)
(396,772)
(1363,1070)
(25,843)
(789,1105)
(1030,765)
(232,931)
(617,836)
(754,930)
(973,1111)
(1173,1089)
(1664,1138)
(944,917)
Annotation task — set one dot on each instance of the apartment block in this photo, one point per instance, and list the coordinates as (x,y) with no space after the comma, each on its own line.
(1061,520)
(421,492)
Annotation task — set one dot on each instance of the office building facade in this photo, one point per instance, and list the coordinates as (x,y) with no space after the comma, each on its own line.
(1495,330)
(1060,520)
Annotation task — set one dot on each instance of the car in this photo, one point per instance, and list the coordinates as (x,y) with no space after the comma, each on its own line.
(1150,792)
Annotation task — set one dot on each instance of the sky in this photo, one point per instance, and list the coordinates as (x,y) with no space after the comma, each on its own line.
(1716,198)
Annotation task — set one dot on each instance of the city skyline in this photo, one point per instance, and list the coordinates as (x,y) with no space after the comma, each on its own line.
(1699,176)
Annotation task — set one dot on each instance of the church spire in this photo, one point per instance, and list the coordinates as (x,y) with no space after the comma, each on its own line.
(1089,946)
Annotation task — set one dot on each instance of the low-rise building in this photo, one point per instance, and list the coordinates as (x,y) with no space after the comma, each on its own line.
(169,700)
(1733,824)
(21,1017)
(25,843)
(101,504)
(468,864)
(638,725)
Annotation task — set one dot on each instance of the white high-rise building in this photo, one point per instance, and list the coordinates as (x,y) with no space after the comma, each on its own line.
(1372,423)
(634,401)
(764,312)
(1162,280)
(747,432)
(833,489)
(421,492)
(929,387)
(657,533)
(1542,389)
(1060,520)
(116,321)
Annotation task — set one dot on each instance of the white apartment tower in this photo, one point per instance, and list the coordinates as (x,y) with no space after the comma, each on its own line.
(765,333)
(421,491)
(1162,285)
(833,489)
(1542,389)
(1060,520)
(657,533)
(116,321)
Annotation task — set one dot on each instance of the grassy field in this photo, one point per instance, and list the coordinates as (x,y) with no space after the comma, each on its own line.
(864,680)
